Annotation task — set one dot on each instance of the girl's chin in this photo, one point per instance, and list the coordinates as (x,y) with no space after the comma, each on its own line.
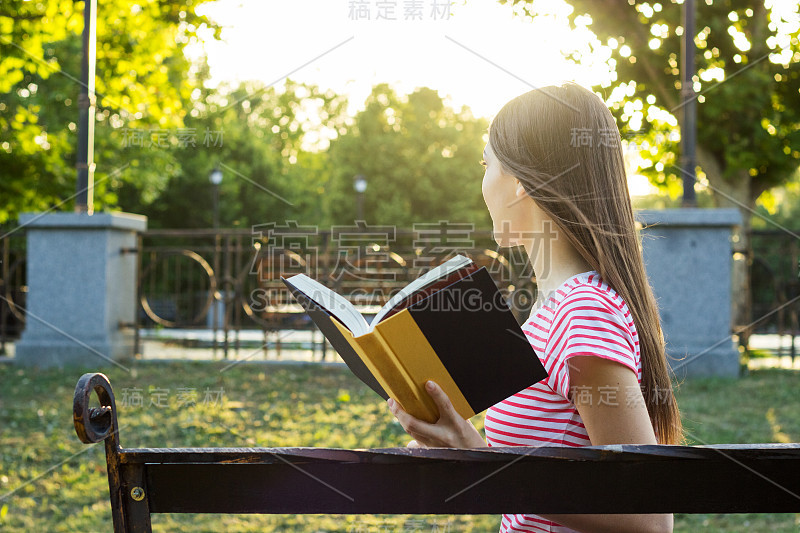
(504,241)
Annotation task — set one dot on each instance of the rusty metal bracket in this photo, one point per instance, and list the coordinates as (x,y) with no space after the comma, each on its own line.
(95,424)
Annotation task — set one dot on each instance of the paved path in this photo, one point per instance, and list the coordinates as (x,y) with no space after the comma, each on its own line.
(197,345)
(295,346)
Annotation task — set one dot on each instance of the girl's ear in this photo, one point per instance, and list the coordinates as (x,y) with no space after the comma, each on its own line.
(520,190)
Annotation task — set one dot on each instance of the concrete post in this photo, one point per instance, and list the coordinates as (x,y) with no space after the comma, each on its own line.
(688,256)
(81,288)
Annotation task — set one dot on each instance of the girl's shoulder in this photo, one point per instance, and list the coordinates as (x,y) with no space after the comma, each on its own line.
(588,318)
(588,290)
(585,303)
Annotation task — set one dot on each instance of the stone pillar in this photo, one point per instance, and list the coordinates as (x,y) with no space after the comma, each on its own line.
(81,288)
(688,255)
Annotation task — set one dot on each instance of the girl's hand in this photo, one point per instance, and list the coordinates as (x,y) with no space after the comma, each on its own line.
(450,431)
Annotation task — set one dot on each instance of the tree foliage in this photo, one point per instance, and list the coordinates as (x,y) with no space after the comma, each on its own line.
(258,137)
(420,158)
(143,80)
(748,82)
(160,131)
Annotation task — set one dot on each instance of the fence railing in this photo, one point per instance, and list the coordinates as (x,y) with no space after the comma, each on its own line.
(226,281)
(775,283)
(229,280)
(13,286)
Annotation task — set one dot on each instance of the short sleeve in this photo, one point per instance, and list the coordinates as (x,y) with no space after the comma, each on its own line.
(589,322)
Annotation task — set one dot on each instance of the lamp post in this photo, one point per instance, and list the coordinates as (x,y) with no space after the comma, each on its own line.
(216,178)
(217,308)
(84,164)
(688,96)
(360,185)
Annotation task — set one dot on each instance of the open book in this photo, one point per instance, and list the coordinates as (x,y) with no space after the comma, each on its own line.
(347,314)
(451,326)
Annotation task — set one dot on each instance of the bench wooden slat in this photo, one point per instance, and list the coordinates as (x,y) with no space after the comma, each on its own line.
(708,484)
(627,452)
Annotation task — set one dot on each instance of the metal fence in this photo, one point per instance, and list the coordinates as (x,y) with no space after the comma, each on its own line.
(13,286)
(775,285)
(227,281)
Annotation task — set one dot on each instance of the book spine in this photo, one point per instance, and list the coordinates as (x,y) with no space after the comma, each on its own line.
(394,378)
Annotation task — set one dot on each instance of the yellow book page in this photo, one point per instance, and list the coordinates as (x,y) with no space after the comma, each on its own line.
(417,357)
(391,375)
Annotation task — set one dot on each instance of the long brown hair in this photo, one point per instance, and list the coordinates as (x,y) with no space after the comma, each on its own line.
(563,144)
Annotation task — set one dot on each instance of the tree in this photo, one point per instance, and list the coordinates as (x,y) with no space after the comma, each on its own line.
(780,205)
(143,82)
(256,135)
(420,158)
(748,86)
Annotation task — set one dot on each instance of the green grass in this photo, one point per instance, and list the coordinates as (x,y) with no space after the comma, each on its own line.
(49,481)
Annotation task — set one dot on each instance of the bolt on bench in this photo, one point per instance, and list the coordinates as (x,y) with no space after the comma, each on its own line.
(646,479)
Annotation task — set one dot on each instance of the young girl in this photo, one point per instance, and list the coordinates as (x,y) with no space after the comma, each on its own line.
(555,184)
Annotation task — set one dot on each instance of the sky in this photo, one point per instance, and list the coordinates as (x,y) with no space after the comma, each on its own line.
(481,55)
(477,54)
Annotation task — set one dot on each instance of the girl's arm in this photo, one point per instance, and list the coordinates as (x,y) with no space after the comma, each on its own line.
(613,412)
(622,419)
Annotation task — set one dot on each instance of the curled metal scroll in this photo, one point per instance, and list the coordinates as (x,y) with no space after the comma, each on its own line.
(93,424)
(211,295)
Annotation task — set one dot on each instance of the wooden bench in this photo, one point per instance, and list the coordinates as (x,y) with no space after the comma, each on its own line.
(613,479)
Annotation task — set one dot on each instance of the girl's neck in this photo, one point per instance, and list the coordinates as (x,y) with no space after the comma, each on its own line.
(555,260)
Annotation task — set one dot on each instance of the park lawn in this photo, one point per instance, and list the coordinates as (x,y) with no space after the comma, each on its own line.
(49,481)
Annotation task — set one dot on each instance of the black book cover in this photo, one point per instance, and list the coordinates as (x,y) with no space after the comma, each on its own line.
(481,333)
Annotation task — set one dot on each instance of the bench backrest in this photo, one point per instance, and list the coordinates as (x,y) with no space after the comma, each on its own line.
(645,479)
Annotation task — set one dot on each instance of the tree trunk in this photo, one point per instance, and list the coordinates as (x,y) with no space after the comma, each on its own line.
(735,191)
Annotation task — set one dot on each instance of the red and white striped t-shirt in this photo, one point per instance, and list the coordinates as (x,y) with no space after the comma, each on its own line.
(584,317)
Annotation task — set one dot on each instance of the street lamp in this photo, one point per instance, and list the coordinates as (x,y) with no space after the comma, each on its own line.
(84,185)
(217,309)
(216,178)
(688,97)
(360,185)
